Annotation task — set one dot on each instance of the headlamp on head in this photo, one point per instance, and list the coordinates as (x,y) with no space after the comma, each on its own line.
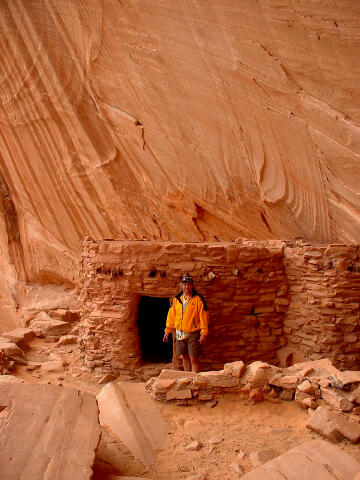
(187,278)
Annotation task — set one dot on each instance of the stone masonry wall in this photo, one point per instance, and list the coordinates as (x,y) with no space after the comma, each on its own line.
(323,318)
(243,283)
(261,295)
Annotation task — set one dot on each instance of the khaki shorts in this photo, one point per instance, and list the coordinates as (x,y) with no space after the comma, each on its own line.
(189,346)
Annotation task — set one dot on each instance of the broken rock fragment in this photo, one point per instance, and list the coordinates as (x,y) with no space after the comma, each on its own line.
(193,446)
(260,373)
(305,400)
(44,325)
(336,399)
(67,340)
(55,366)
(333,425)
(12,351)
(21,336)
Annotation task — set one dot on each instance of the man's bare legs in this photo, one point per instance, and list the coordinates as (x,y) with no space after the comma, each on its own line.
(191,364)
(187,363)
(195,364)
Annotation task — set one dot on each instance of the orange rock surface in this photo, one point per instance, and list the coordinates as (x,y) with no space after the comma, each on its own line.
(174,121)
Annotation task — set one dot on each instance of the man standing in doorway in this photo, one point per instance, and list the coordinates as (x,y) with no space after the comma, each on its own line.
(189,317)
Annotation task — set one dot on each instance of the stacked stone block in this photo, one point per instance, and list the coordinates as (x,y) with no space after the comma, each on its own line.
(323,318)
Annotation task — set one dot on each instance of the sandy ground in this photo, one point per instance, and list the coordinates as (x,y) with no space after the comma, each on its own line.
(228,432)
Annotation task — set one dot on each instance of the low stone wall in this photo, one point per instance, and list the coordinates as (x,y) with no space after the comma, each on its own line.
(323,317)
(243,283)
(307,383)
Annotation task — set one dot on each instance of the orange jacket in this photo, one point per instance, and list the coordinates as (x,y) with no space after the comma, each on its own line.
(195,317)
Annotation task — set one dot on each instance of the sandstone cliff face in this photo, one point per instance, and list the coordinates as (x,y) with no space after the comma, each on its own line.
(186,120)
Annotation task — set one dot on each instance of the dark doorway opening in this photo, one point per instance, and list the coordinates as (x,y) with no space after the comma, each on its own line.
(151,323)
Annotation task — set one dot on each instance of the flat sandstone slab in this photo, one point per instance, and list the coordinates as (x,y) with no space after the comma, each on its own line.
(47,432)
(132,415)
(317,459)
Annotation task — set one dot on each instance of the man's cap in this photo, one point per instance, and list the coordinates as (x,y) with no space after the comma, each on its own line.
(187,278)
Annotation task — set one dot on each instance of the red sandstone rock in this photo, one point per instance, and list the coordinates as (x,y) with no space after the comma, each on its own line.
(55,366)
(175,374)
(133,417)
(21,336)
(256,394)
(349,377)
(236,369)
(334,398)
(178,394)
(260,373)
(12,351)
(59,432)
(348,429)
(44,325)
(316,459)
(306,387)
(305,400)
(162,385)
(219,379)
(333,425)
(193,446)
(289,382)
(67,340)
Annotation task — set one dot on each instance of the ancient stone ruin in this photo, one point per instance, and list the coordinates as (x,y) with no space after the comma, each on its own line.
(261,295)
(141,139)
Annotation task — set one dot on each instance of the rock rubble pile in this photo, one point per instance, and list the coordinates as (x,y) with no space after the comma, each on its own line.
(56,326)
(331,396)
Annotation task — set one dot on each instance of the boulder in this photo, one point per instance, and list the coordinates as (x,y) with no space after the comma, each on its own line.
(44,325)
(67,340)
(306,387)
(21,336)
(134,417)
(54,366)
(344,379)
(59,429)
(235,369)
(12,351)
(260,373)
(333,425)
(305,400)
(322,422)
(336,399)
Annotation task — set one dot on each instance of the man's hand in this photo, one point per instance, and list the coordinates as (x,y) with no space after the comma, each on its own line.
(166,337)
(202,339)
